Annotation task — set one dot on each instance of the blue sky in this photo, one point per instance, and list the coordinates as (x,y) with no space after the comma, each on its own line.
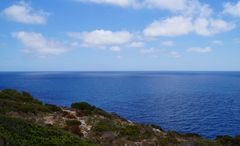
(119,35)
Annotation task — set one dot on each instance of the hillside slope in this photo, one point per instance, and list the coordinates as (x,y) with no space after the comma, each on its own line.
(27,121)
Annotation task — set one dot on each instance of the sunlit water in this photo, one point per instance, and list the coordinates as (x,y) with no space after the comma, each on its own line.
(207,103)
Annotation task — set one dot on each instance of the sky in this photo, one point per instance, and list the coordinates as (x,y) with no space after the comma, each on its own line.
(120,35)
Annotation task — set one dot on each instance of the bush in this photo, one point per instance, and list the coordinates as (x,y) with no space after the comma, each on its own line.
(89,109)
(105,125)
(82,106)
(173,134)
(228,140)
(130,130)
(205,142)
(26,94)
(11,100)
(169,141)
(101,112)
(53,108)
(19,132)
(31,108)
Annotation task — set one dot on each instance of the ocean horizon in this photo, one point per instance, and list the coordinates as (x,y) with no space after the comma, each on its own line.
(202,102)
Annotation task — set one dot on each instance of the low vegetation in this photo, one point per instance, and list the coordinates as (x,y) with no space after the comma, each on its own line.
(13,101)
(14,131)
(89,109)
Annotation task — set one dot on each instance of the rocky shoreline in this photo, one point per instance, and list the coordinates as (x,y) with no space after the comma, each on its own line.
(25,120)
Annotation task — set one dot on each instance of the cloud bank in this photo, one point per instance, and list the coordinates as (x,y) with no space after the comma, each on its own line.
(23,13)
(38,44)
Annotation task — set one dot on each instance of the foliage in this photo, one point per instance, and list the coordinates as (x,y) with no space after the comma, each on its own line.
(168,141)
(14,101)
(132,131)
(83,106)
(89,109)
(105,125)
(19,132)
(228,140)
(191,135)
(53,108)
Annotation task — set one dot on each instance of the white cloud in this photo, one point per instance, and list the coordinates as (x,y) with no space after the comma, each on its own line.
(149,51)
(24,13)
(208,27)
(136,44)
(173,26)
(175,54)
(100,38)
(156,52)
(193,16)
(121,3)
(200,50)
(232,9)
(115,49)
(168,43)
(217,42)
(172,5)
(184,6)
(180,25)
(37,43)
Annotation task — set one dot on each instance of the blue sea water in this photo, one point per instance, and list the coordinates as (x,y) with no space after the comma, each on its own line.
(207,103)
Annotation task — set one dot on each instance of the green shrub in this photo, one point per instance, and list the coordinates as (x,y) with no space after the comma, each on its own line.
(89,109)
(228,140)
(26,94)
(11,92)
(101,112)
(172,134)
(83,106)
(105,125)
(31,108)
(130,130)
(205,142)
(19,132)
(11,100)
(168,141)
(53,108)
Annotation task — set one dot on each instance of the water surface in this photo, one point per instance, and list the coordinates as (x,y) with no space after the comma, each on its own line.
(207,103)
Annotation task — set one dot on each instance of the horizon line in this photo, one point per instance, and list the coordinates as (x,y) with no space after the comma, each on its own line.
(123,71)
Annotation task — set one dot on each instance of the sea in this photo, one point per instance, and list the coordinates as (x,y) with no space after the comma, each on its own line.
(206,103)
